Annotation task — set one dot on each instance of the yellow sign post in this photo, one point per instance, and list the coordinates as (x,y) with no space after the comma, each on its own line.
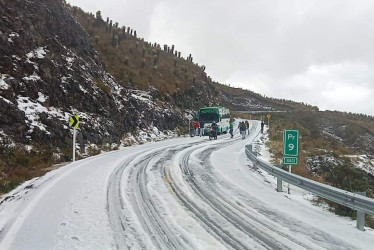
(268,116)
(74,122)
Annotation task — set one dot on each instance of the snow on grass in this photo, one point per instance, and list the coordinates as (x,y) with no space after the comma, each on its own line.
(64,81)
(3,84)
(13,34)
(37,53)
(6,100)
(83,89)
(363,162)
(332,135)
(41,97)
(69,60)
(142,97)
(4,138)
(34,77)
(32,109)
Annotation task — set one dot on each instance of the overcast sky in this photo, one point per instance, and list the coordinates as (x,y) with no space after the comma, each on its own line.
(313,51)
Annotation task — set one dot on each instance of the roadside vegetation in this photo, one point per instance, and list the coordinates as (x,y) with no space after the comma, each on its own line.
(326,157)
(138,63)
(20,163)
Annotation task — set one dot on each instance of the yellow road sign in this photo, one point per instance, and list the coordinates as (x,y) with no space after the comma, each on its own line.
(268,116)
(74,121)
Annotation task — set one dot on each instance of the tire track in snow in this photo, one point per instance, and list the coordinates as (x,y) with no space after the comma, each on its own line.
(222,233)
(160,232)
(231,212)
(153,225)
(267,235)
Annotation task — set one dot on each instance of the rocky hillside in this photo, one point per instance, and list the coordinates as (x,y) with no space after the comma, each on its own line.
(50,70)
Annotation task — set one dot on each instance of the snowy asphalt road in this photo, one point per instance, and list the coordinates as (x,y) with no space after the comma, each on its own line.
(177,194)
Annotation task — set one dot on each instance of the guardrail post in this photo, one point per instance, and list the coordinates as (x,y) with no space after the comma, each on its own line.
(250,148)
(289,170)
(360,216)
(279,181)
(279,185)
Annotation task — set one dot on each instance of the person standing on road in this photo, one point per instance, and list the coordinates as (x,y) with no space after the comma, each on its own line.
(231,128)
(215,127)
(243,129)
(262,127)
(247,125)
(196,126)
(201,128)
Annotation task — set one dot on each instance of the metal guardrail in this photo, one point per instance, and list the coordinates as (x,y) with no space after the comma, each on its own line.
(345,198)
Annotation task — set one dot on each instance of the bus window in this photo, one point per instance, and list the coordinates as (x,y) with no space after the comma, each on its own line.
(209,117)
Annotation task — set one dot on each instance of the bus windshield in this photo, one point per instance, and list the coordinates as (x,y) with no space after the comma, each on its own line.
(209,117)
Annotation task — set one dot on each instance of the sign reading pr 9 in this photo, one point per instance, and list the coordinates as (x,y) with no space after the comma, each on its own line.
(291,143)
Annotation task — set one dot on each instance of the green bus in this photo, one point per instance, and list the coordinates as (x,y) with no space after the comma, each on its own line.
(219,115)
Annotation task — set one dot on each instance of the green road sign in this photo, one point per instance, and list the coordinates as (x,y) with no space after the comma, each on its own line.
(291,143)
(290,160)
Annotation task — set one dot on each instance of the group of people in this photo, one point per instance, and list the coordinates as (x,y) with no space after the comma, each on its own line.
(199,128)
(244,128)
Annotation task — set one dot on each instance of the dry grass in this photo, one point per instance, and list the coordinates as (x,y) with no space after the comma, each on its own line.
(132,61)
(103,86)
(18,165)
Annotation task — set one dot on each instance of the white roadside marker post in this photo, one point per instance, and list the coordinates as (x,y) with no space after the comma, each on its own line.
(360,224)
(74,122)
(189,127)
(289,170)
(189,117)
(74,144)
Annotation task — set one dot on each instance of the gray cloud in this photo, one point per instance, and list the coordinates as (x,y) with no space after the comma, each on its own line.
(319,52)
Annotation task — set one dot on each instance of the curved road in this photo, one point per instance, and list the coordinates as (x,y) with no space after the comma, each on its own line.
(167,195)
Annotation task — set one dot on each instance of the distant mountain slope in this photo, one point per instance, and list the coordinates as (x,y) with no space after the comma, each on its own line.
(245,100)
(136,62)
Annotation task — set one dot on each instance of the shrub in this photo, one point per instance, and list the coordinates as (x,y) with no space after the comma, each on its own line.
(18,164)
(103,86)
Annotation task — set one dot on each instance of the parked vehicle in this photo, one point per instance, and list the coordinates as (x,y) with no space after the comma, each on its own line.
(219,115)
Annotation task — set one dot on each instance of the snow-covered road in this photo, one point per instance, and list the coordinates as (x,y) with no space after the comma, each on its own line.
(188,193)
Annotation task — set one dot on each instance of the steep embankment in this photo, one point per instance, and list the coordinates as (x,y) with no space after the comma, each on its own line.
(49,70)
